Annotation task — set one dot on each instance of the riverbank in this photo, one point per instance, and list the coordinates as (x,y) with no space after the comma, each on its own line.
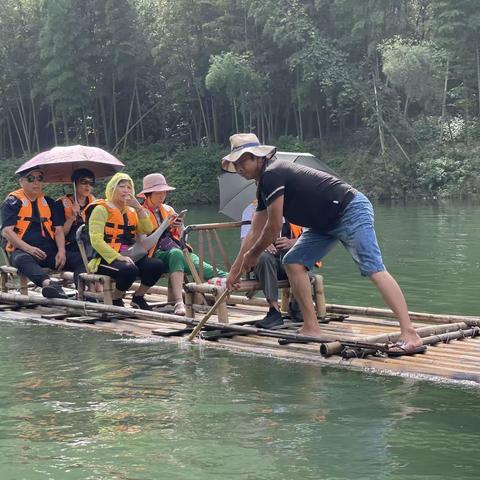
(433,171)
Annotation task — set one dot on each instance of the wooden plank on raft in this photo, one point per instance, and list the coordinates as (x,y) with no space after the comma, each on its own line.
(55,316)
(173,333)
(81,319)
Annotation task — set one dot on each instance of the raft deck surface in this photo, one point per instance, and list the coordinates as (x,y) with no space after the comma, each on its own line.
(453,362)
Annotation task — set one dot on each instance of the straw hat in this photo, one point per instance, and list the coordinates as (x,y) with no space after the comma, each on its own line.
(241,143)
(155,182)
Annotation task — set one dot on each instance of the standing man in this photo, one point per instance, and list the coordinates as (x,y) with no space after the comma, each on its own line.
(33,228)
(329,209)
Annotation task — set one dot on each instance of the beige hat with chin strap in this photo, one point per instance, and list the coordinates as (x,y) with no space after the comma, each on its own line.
(241,143)
(155,182)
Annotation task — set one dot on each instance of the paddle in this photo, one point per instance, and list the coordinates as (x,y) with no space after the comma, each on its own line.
(202,322)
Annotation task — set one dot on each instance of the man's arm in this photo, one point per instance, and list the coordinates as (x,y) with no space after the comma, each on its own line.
(60,258)
(9,234)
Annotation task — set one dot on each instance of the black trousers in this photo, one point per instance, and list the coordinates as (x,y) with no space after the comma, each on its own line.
(268,271)
(32,267)
(148,269)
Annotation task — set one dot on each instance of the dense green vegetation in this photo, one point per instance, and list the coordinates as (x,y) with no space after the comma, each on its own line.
(386,91)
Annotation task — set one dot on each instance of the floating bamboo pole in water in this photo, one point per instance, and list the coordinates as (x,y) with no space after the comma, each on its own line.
(383,312)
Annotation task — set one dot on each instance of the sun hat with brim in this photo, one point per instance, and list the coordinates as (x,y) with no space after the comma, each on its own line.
(155,182)
(241,143)
(26,173)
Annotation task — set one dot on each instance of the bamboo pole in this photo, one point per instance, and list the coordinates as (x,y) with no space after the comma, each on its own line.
(223,253)
(84,307)
(211,253)
(446,337)
(334,348)
(200,255)
(382,312)
(362,350)
(212,226)
(202,322)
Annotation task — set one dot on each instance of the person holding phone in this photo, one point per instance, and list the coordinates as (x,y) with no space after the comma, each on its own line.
(113,225)
(169,247)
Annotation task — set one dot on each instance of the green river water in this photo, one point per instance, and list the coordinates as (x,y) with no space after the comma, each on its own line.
(79,404)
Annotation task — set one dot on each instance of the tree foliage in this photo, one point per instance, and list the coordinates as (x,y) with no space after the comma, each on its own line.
(126,73)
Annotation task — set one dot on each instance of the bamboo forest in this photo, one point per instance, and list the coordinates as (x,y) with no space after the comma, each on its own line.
(385,91)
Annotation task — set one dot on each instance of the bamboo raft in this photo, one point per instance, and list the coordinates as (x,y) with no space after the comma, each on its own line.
(353,336)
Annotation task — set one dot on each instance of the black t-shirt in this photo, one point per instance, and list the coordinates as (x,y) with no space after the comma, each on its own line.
(33,236)
(312,198)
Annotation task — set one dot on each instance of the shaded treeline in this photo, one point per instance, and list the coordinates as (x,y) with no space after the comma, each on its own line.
(390,75)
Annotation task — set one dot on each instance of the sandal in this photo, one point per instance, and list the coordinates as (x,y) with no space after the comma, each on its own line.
(179,309)
(399,349)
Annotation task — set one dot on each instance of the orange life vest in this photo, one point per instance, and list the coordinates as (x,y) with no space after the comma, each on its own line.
(296,230)
(165,211)
(120,228)
(24,217)
(67,201)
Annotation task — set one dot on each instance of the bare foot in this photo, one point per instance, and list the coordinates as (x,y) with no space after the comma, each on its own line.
(314,331)
(410,341)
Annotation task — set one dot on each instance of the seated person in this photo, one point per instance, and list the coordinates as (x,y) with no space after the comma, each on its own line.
(113,225)
(270,269)
(33,228)
(169,248)
(73,205)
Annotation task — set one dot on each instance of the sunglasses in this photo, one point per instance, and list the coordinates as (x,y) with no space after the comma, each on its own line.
(86,181)
(34,178)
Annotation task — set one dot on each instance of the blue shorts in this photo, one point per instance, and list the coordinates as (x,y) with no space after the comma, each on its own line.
(355,230)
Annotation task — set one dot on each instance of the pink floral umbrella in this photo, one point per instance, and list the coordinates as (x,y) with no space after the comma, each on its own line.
(59,163)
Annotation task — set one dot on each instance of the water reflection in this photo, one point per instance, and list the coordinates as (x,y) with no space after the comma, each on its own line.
(79,404)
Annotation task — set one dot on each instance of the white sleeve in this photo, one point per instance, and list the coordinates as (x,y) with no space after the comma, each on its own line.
(247,216)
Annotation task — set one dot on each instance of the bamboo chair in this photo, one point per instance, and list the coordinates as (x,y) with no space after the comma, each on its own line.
(209,234)
(107,283)
(12,279)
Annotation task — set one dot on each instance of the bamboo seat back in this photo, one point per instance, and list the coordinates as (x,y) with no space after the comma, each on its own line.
(209,246)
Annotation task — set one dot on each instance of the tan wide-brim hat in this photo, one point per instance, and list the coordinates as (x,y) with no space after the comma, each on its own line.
(155,182)
(241,143)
